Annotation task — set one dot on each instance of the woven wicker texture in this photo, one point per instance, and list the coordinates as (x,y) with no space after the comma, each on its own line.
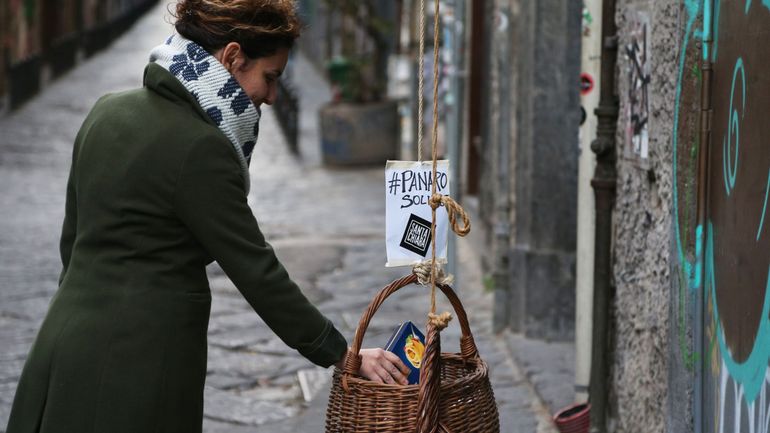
(457,384)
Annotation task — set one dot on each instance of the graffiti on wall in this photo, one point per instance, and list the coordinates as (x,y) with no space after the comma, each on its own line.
(686,143)
(751,417)
(587,20)
(638,107)
(727,261)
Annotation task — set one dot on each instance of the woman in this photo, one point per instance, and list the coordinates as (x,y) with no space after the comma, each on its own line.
(157,190)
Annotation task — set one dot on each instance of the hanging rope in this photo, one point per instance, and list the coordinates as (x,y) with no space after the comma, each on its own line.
(428,398)
(420,80)
(453,210)
(430,271)
(434,154)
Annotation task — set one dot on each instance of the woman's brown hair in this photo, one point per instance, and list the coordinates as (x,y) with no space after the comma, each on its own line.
(261,27)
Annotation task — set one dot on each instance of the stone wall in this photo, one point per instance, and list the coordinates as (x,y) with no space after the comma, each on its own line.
(544,171)
(650,388)
(533,110)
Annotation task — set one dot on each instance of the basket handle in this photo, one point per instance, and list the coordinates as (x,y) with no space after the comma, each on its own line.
(468,348)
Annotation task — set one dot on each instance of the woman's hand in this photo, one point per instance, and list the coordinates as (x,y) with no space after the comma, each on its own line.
(381,366)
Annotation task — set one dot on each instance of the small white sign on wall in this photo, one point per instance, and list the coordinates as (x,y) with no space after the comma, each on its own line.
(408,186)
(637,52)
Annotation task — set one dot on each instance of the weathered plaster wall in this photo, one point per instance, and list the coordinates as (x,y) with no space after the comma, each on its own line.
(643,226)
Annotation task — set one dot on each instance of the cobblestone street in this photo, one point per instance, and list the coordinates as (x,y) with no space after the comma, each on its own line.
(327,226)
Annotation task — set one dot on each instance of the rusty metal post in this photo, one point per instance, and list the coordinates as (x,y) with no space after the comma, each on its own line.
(704,156)
(478,88)
(603,183)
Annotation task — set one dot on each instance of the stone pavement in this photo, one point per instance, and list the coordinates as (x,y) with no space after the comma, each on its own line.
(326,225)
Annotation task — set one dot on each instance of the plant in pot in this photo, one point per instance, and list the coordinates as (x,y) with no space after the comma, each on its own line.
(360,125)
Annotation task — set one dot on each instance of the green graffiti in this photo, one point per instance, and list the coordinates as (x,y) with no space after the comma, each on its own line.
(695,72)
(587,18)
(686,279)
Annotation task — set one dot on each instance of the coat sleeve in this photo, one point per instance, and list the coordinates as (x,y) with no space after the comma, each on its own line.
(210,199)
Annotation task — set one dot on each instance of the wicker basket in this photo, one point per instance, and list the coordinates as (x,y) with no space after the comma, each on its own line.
(466,403)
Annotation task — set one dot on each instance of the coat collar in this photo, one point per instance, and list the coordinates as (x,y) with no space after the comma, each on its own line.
(161,81)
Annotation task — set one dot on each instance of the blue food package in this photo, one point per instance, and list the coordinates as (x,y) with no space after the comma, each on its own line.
(408,343)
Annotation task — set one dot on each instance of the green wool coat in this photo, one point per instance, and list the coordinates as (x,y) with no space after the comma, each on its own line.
(155,194)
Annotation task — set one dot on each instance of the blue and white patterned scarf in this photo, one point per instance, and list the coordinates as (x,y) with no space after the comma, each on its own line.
(217,92)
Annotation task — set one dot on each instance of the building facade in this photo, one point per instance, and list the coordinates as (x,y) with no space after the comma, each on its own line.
(688,336)
(690,245)
(529,156)
(43,39)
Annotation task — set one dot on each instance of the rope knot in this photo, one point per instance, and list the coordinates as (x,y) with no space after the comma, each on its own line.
(435,200)
(439,321)
(423,272)
(453,210)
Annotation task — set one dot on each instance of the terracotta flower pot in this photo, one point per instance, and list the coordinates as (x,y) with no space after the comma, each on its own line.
(574,419)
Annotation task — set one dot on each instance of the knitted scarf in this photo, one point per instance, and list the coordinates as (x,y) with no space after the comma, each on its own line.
(217,92)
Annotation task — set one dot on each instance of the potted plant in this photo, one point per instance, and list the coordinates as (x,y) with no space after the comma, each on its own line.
(360,125)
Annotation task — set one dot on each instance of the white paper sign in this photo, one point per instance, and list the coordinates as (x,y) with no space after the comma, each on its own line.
(407,212)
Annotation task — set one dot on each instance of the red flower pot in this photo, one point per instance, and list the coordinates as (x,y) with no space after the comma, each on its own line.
(574,419)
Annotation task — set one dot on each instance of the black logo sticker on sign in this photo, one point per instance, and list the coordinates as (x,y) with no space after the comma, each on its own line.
(417,235)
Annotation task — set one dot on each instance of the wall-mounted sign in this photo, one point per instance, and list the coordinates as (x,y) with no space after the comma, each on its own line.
(638,75)
(586,83)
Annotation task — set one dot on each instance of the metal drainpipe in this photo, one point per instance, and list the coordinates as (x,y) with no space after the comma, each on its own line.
(704,156)
(603,182)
